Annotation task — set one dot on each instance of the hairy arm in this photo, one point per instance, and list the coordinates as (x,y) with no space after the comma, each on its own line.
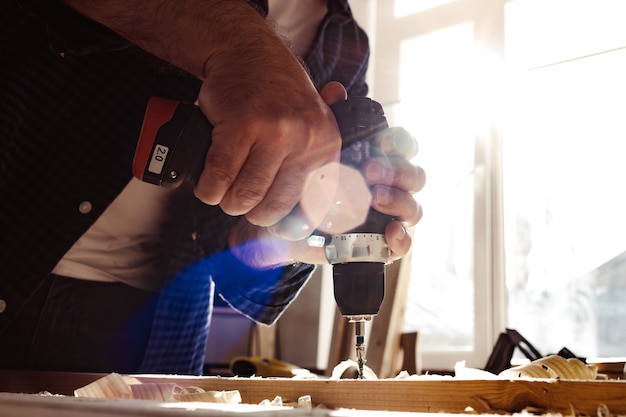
(186,33)
(272,130)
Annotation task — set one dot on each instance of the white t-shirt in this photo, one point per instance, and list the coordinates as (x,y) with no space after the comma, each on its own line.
(125,243)
(297,20)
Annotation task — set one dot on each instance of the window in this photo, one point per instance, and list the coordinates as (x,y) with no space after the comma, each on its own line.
(431,74)
(565,165)
(436,92)
(519,108)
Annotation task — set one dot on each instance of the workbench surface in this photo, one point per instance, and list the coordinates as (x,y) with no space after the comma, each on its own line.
(415,396)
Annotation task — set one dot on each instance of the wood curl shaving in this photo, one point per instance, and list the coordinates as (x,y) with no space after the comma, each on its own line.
(348,369)
(117,386)
(553,366)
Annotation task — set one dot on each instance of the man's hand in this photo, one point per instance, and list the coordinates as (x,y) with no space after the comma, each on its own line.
(266,145)
(392,180)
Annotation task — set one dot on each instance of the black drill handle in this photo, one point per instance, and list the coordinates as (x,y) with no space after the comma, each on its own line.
(360,121)
(176,136)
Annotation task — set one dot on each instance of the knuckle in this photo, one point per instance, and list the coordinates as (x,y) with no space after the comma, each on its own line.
(218,166)
(416,214)
(383,198)
(241,201)
(412,179)
(249,197)
(281,206)
(270,212)
(421,178)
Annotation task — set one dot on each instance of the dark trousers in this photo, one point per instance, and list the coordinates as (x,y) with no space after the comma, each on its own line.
(81,326)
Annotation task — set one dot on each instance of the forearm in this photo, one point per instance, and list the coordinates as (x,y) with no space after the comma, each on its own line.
(191,34)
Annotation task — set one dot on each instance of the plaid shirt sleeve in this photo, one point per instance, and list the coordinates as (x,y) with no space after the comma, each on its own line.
(261,295)
(341,51)
(180,325)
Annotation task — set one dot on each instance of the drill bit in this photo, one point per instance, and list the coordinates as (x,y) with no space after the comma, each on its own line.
(360,346)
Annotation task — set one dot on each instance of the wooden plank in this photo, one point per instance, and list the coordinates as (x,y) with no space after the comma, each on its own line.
(263,341)
(30,405)
(384,349)
(450,396)
(409,346)
(342,342)
(446,395)
(31,382)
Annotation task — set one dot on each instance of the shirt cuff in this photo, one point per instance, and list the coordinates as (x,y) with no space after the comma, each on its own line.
(261,295)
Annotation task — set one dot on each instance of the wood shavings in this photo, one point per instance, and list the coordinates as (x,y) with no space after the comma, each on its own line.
(549,367)
(116,386)
(277,401)
(348,369)
(303,402)
(153,391)
(554,367)
(219,397)
(110,386)
(463,372)
(603,411)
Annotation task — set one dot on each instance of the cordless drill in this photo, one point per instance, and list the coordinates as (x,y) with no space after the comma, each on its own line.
(174,140)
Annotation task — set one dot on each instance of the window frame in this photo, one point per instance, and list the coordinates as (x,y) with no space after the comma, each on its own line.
(386,34)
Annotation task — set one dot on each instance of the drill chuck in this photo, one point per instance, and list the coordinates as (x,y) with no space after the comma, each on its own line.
(359,288)
(357,247)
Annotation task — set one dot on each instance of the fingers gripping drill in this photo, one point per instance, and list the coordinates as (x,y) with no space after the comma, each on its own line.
(174,139)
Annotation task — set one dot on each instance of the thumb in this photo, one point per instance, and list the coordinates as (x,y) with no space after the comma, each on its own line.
(333,92)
